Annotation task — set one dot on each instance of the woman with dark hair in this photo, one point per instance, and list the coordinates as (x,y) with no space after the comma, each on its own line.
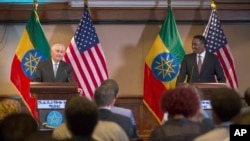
(181,104)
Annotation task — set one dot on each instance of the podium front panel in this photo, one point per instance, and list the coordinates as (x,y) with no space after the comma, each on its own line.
(50,118)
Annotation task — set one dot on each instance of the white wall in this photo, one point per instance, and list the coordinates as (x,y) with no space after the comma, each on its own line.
(125,47)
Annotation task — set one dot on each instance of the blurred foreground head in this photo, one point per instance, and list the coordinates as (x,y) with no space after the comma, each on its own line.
(81,115)
(9,106)
(180,101)
(226,104)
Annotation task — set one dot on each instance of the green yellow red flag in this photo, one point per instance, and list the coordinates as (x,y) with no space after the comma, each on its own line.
(162,64)
(32,48)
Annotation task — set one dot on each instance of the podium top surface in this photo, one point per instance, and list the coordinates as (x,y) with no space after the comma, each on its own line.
(53,87)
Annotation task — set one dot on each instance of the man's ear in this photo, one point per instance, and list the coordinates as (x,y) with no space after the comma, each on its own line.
(113,101)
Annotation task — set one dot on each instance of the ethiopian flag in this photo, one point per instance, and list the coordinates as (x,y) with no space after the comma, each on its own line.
(162,64)
(32,48)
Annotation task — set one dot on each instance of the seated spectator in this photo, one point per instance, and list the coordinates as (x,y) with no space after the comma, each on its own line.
(226,105)
(120,110)
(82,116)
(242,119)
(105,97)
(181,104)
(40,136)
(17,127)
(107,131)
(9,106)
(247,101)
(201,116)
(104,130)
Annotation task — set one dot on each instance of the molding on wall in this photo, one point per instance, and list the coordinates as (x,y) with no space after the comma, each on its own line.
(62,12)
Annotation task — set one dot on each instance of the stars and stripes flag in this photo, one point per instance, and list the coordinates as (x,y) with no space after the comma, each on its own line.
(85,55)
(217,44)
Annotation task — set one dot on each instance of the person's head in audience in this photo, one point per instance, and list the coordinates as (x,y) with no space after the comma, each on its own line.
(242,119)
(18,126)
(81,115)
(226,104)
(40,136)
(201,113)
(247,96)
(105,96)
(180,102)
(9,106)
(112,83)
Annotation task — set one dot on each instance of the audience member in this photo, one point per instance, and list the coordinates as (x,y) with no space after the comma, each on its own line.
(247,101)
(109,131)
(17,127)
(120,110)
(202,116)
(9,106)
(226,105)
(181,104)
(103,131)
(40,136)
(105,97)
(82,116)
(242,119)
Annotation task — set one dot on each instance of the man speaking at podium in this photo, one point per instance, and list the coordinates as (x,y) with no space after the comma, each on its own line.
(200,66)
(54,69)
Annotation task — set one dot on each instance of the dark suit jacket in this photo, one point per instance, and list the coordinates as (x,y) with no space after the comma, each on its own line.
(176,130)
(211,67)
(44,72)
(123,121)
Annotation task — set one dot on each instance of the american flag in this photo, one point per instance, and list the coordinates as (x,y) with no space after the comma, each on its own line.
(85,55)
(217,44)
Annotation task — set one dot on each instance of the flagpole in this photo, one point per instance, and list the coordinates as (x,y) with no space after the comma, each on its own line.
(169,2)
(35,4)
(85,2)
(213,5)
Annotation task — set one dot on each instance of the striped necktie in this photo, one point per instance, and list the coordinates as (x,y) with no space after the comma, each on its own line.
(199,64)
(55,68)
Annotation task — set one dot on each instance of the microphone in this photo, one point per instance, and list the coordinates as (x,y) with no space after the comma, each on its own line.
(69,80)
(191,76)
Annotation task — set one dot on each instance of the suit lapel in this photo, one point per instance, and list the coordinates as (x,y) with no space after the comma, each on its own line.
(51,71)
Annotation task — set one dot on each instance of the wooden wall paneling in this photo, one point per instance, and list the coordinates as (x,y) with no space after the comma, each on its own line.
(62,12)
(143,117)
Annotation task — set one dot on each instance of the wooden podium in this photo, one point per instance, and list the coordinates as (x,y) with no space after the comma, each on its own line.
(51,98)
(53,90)
(207,88)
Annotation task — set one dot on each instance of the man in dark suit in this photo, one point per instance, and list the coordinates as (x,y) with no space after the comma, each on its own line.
(54,69)
(210,70)
(105,98)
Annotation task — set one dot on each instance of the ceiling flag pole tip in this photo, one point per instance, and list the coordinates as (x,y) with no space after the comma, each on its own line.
(213,5)
(169,2)
(35,4)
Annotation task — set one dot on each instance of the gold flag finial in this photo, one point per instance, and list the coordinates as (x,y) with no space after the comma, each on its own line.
(213,5)
(86,2)
(35,4)
(169,2)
